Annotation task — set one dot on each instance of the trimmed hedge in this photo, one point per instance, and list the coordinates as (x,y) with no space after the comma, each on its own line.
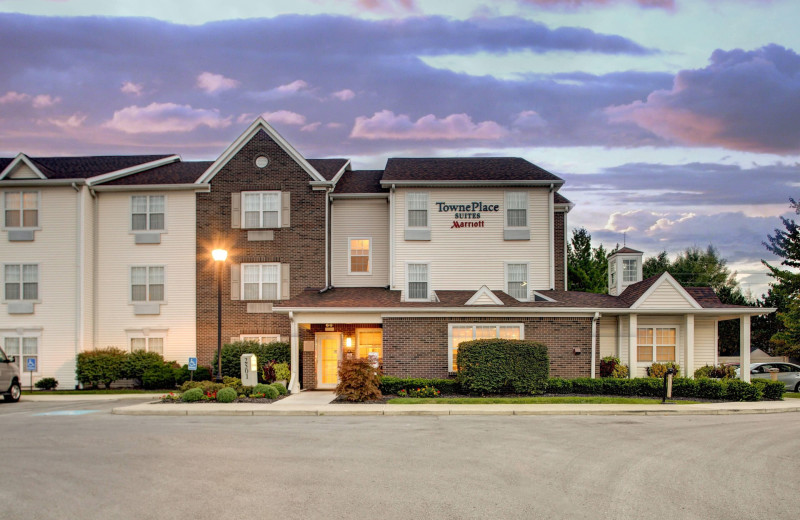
(158,377)
(730,390)
(232,354)
(391,385)
(104,366)
(489,366)
(772,390)
(226,395)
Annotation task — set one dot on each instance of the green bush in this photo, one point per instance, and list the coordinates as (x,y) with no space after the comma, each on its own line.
(717,372)
(392,385)
(615,386)
(158,377)
(232,354)
(684,387)
(101,366)
(227,395)
(192,395)
(710,389)
(558,385)
(183,374)
(269,391)
(586,385)
(358,380)
(46,383)
(771,390)
(282,372)
(660,369)
(737,390)
(611,366)
(138,362)
(205,386)
(488,366)
(280,388)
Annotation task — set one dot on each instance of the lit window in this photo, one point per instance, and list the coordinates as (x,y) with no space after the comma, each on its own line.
(262,209)
(147,344)
(460,333)
(629,271)
(370,344)
(147,283)
(417,209)
(657,344)
(260,281)
(360,256)
(21,282)
(261,338)
(516,209)
(417,281)
(147,212)
(517,276)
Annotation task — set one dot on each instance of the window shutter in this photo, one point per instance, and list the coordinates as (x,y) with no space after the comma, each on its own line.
(285,209)
(235,282)
(236,210)
(285,282)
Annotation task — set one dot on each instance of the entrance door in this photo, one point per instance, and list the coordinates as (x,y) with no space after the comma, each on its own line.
(329,353)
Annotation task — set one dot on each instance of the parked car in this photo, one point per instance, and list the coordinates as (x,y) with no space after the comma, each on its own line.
(9,378)
(789,373)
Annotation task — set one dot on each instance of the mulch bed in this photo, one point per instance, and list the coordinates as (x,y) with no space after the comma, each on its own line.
(387,398)
(257,400)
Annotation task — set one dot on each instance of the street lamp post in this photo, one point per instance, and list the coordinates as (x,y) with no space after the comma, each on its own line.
(219,256)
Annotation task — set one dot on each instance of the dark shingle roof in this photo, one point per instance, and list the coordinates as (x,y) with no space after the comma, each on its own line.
(560,199)
(84,167)
(635,291)
(360,181)
(495,169)
(172,173)
(328,168)
(627,250)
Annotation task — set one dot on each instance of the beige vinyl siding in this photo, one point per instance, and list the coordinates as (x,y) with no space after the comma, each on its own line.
(54,250)
(484,299)
(607,328)
(705,342)
(467,258)
(665,297)
(117,252)
(22,171)
(360,219)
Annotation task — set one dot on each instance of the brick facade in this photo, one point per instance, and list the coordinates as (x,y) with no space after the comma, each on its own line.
(417,347)
(302,245)
(559,250)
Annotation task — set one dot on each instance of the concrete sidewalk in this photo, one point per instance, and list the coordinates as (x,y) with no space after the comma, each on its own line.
(287,407)
(48,397)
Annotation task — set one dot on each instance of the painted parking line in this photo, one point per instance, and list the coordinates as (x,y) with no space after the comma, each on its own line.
(68,412)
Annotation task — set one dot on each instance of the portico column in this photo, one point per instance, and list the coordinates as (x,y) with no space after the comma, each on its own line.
(688,352)
(744,347)
(633,341)
(294,342)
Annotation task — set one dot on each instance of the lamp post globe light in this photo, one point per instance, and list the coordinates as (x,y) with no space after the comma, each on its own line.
(219,256)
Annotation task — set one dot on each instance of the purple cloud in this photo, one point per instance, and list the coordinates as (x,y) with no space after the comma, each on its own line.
(386,125)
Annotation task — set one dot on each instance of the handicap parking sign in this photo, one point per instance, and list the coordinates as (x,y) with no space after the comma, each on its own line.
(30,364)
(192,363)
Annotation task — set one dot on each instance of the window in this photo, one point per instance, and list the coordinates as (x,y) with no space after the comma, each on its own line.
(260,281)
(260,338)
(148,344)
(417,284)
(21,209)
(516,209)
(360,256)
(21,348)
(370,344)
(459,333)
(629,271)
(21,282)
(147,212)
(612,271)
(417,203)
(262,209)
(517,281)
(656,344)
(147,283)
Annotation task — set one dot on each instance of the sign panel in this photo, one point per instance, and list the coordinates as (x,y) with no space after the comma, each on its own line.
(192,363)
(30,364)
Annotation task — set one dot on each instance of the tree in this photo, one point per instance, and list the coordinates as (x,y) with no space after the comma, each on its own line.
(587,267)
(655,265)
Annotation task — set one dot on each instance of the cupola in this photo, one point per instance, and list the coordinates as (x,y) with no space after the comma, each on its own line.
(624,269)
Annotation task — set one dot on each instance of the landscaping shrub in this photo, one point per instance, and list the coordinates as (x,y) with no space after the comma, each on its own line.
(499,365)
(280,388)
(710,389)
(425,391)
(771,390)
(269,391)
(232,354)
(586,385)
(660,369)
(227,395)
(158,377)
(183,374)
(104,366)
(717,372)
(192,395)
(613,386)
(138,362)
(268,372)
(610,366)
(392,385)
(358,380)
(647,387)
(737,390)
(282,372)
(236,384)
(559,386)
(204,386)
(46,383)
(684,387)
(620,372)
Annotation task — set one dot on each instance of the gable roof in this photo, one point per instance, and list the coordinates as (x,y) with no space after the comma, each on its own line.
(328,168)
(58,168)
(661,280)
(450,170)
(259,125)
(178,172)
(484,296)
(360,181)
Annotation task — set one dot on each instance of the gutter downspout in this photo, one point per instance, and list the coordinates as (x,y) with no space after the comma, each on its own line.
(294,342)
(552,220)
(327,236)
(594,342)
(391,237)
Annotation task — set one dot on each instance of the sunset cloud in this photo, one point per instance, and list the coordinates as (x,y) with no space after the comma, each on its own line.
(13,97)
(285,117)
(386,125)
(45,101)
(132,88)
(344,95)
(165,117)
(73,121)
(213,83)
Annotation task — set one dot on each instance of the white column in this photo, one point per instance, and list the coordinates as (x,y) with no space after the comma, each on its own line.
(294,342)
(744,347)
(688,353)
(632,344)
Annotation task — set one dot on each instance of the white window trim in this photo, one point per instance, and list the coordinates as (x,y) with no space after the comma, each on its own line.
(428,210)
(38,282)
(38,225)
(350,257)
(148,334)
(21,334)
(148,230)
(473,325)
(243,221)
(527,210)
(527,278)
(678,344)
(248,337)
(635,270)
(241,281)
(430,284)
(131,301)
(612,274)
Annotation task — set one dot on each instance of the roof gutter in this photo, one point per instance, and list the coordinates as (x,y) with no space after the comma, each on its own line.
(204,188)
(504,309)
(498,182)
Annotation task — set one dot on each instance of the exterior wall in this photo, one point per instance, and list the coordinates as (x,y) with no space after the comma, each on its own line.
(55,318)
(705,343)
(89,297)
(417,347)
(359,218)
(467,258)
(665,297)
(560,250)
(302,245)
(607,340)
(117,252)
(669,321)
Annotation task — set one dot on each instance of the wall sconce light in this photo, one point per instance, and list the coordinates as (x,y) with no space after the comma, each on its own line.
(348,342)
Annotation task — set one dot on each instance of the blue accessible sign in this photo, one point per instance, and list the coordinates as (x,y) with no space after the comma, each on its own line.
(30,364)
(192,363)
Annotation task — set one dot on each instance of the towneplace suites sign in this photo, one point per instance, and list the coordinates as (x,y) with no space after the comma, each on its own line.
(467,215)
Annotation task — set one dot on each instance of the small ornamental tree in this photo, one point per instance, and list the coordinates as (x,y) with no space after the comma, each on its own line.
(358,380)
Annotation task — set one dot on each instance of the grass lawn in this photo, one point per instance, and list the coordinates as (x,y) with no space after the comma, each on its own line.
(531,400)
(99,391)
(792,395)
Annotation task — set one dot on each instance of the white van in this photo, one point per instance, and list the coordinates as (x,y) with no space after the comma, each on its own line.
(9,378)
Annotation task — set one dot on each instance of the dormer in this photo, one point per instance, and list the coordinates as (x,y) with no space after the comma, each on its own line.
(624,269)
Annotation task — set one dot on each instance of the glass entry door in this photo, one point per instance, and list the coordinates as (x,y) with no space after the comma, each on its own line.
(329,353)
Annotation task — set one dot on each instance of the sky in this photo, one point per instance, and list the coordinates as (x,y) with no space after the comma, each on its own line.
(675,123)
